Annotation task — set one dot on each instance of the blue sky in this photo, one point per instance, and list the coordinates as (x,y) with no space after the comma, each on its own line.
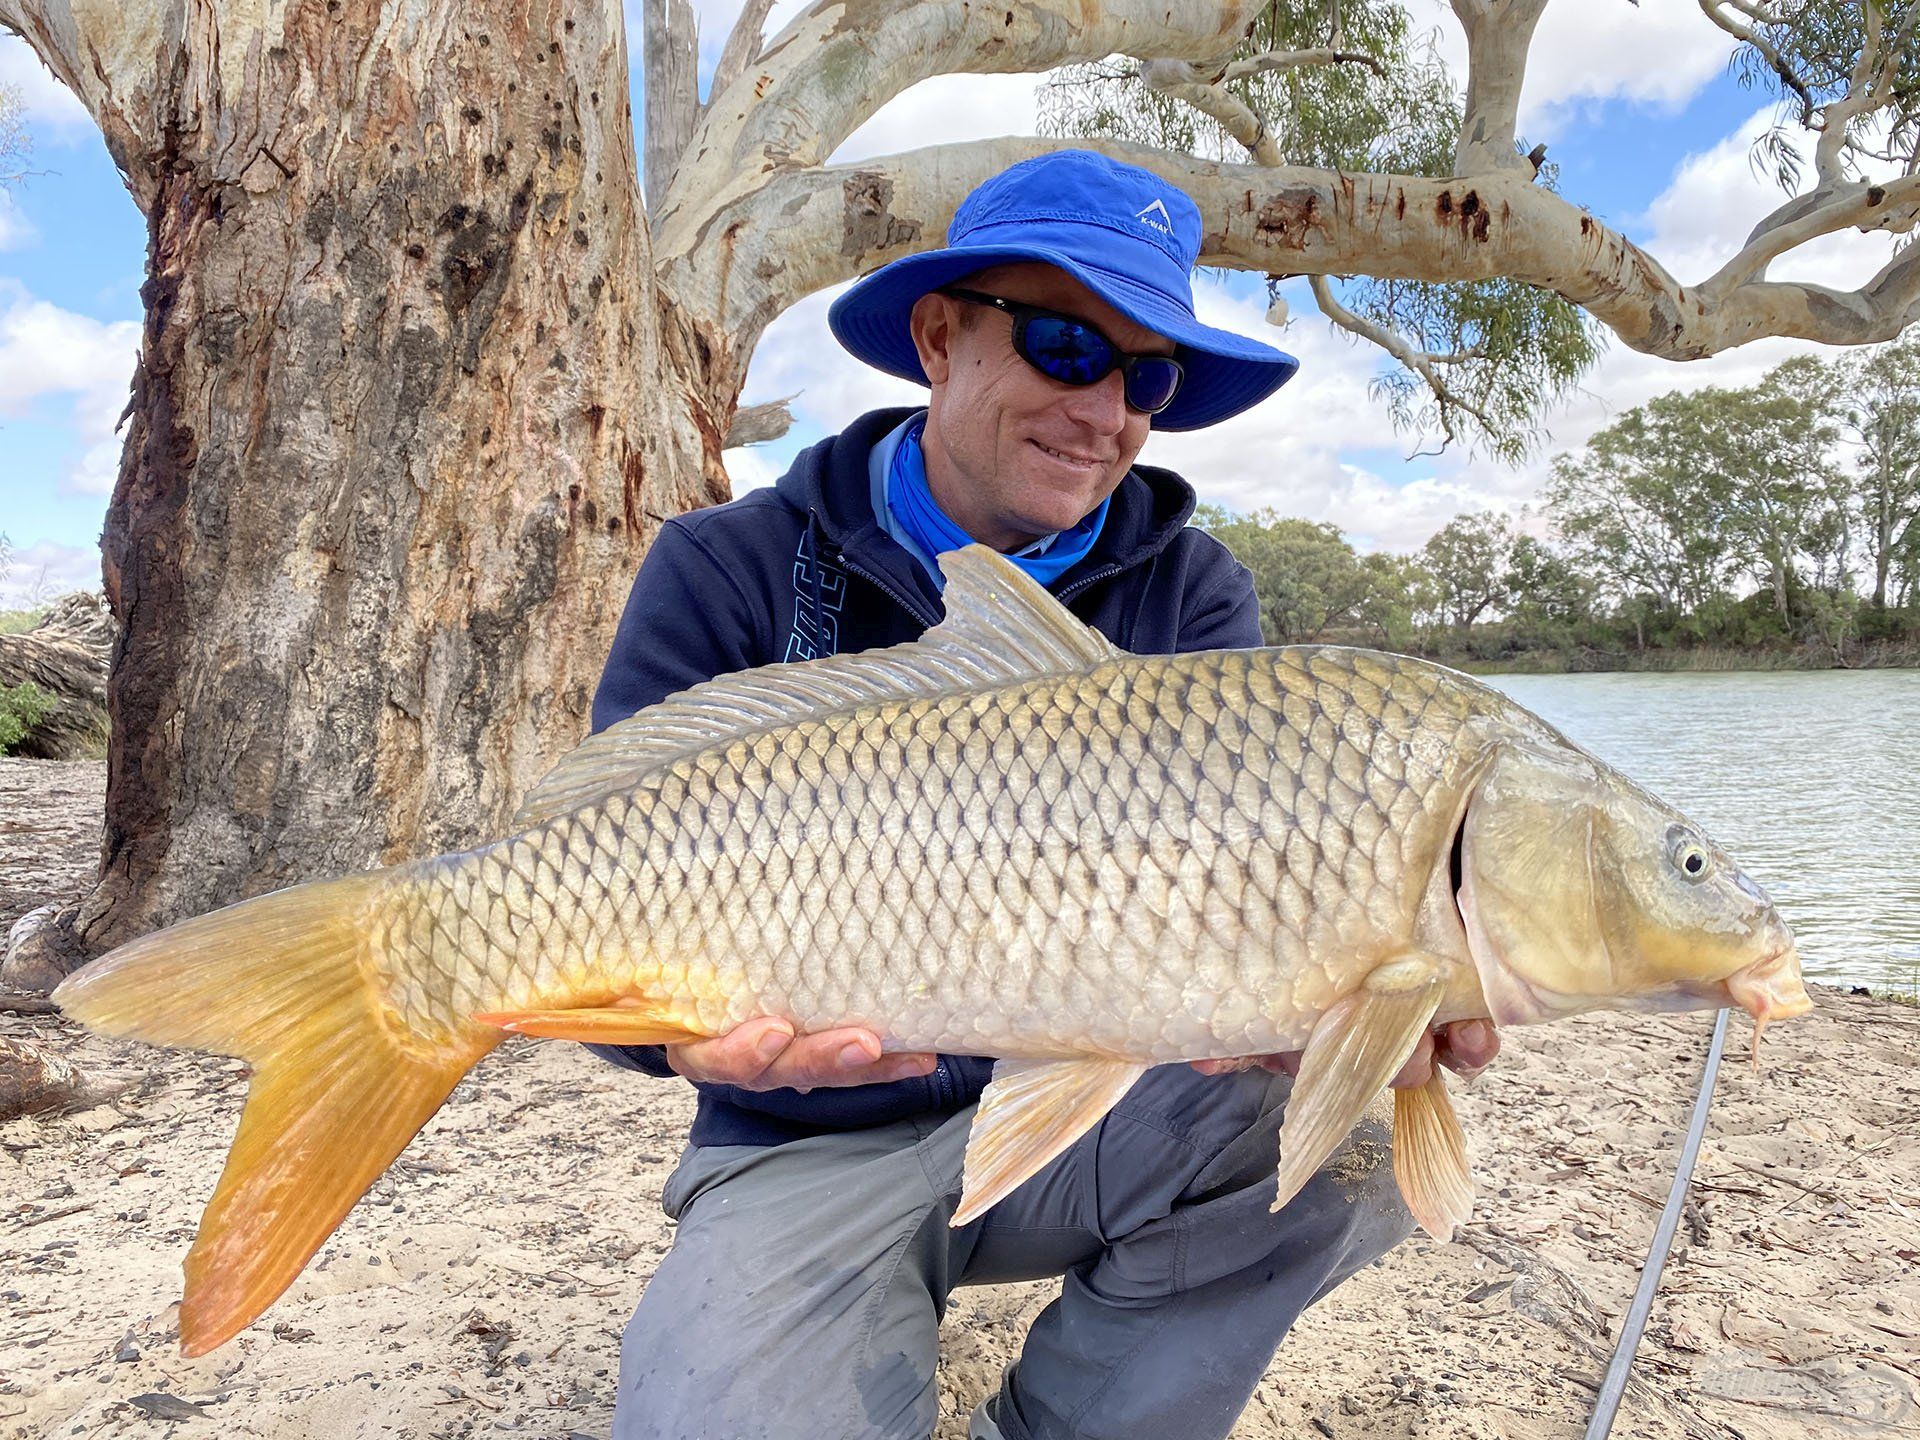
(1636,104)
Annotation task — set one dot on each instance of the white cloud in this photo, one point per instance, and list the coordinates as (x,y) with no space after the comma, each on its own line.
(1293,451)
(1716,197)
(946,110)
(749,467)
(799,354)
(46,351)
(1658,53)
(49,107)
(45,570)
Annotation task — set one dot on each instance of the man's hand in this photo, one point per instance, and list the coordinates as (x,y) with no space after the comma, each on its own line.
(1465,1047)
(765,1054)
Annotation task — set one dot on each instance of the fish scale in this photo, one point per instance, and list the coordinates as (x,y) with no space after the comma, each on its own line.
(1006,838)
(1140,835)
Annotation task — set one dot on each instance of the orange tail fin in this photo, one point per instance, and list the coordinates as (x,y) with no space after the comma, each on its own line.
(339,1085)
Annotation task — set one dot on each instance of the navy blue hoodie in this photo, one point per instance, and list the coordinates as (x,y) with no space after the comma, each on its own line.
(804,569)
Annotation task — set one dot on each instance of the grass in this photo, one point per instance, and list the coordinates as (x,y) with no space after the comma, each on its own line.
(1904,991)
(15,622)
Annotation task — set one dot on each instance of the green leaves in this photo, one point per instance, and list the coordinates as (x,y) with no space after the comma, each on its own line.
(1309,579)
(1801,484)
(1492,355)
(22,707)
(1509,351)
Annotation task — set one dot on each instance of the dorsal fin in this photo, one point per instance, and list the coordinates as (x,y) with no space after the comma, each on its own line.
(1001,627)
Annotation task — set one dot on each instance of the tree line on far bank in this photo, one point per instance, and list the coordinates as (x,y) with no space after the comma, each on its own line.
(1775,524)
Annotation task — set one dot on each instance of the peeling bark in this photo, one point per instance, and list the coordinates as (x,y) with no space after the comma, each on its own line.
(402,424)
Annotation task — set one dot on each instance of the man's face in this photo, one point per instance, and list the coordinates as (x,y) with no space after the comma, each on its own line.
(1011,454)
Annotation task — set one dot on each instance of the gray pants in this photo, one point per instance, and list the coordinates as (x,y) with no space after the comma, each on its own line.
(802,1297)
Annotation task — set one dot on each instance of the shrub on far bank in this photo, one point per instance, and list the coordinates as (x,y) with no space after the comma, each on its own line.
(22,707)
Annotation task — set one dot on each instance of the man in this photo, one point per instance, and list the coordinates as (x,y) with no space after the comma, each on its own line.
(814,1257)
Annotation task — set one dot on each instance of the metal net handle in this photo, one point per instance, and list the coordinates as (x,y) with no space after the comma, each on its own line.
(1614,1385)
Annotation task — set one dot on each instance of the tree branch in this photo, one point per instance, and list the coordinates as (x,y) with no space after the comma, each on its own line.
(1423,363)
(743,46)
(838,63)
(757,424)
(1893,207)
(671,55)
(1274,60)
(1748,35)
(1870,87)
(828,224)
(1182,80)
(1499,33)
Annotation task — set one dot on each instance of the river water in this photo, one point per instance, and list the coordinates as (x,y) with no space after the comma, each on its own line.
(1810,780)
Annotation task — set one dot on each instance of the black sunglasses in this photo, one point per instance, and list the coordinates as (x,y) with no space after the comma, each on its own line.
(1074,353)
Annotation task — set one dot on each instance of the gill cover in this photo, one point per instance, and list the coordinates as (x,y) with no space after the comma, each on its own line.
(1523,874)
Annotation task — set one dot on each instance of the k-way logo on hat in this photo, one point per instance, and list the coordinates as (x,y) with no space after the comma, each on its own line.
(1164,222)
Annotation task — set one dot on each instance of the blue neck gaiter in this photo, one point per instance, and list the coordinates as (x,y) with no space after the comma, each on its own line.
(913,507)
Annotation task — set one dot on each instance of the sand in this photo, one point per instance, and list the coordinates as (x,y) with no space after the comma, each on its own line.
(481,1287)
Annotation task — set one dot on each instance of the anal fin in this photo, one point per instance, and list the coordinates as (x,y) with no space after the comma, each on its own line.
(1029,1113)
(1430,1158)
(611,1025)
(1356,1048)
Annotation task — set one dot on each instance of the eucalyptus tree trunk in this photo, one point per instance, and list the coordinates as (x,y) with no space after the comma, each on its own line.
(408,405)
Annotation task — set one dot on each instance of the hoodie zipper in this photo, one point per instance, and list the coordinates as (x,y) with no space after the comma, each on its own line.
(887,590)
(946,1089)
(1092,577)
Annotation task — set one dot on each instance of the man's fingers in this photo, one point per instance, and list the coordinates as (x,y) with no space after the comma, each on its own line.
(1468,1046)
(1419,1067)
(739,1057)
(764,1054)
(840,1057)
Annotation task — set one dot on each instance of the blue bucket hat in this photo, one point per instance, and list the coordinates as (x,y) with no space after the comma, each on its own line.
(1121,231)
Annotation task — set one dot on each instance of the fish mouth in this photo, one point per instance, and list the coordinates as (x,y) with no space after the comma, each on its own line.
(1771,988)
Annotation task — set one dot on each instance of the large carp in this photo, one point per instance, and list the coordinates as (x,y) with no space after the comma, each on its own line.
(1007,838)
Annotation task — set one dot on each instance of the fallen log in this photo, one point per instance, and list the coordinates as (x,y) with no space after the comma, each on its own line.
(34,1081)
(66,657)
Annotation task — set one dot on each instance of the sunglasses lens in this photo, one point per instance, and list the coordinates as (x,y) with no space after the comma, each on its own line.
(1068,352)
(1153,382)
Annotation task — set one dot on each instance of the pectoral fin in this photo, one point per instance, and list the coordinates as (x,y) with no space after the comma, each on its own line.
(614,1025)
(1356,1048)
(1030,1112)
(1430,1158)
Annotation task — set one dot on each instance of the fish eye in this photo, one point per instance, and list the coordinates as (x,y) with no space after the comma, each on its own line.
(1690,858)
